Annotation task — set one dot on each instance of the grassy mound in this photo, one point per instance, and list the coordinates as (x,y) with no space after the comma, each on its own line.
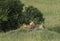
(16,35)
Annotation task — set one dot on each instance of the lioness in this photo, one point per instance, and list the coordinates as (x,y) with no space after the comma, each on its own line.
(28,27)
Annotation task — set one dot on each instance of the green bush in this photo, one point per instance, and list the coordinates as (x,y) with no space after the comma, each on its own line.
(33,14)
(10,13)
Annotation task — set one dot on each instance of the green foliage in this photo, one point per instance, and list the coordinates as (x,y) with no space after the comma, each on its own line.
(33,14)
(10,13)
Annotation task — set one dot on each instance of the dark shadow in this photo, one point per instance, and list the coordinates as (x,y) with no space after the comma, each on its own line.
(56,29)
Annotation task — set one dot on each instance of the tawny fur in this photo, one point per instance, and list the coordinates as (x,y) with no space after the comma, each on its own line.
(32,24)
(28,27)
(41,26)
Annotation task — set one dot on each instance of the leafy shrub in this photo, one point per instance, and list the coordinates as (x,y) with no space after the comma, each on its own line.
(33,14)
(10,13)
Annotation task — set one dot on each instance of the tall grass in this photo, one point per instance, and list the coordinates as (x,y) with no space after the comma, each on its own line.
(30,36)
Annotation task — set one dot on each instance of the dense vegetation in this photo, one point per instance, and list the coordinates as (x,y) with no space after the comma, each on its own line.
(12,15)
(10,11)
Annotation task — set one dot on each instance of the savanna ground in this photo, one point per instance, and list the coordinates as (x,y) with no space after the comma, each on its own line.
(51,12)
